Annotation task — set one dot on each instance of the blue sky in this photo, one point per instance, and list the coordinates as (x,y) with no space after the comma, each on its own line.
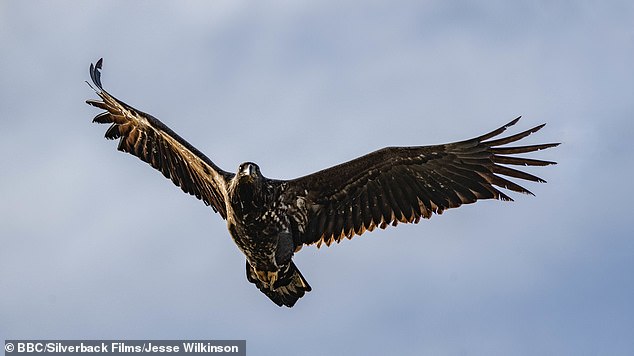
(96,244)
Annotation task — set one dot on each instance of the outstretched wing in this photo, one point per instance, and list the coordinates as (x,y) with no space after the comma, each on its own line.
(149,139)
(403,184)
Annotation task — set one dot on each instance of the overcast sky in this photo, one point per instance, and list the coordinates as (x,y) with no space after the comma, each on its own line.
(96,244)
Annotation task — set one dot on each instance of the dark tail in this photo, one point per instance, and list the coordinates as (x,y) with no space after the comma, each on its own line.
(286,290)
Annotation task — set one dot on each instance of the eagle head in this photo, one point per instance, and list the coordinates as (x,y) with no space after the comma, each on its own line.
(246,186)
(249,172)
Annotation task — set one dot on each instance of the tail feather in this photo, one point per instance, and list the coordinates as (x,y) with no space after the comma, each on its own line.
(289,286)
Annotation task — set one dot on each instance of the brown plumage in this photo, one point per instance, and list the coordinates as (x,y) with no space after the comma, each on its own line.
(403,184)
(270,219)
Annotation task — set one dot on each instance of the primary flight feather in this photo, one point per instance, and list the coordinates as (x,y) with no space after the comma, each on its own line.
(271,219)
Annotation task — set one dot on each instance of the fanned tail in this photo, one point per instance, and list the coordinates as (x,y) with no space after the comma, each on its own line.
(286,290)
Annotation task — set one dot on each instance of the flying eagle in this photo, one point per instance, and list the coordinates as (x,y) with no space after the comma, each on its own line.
(271,219)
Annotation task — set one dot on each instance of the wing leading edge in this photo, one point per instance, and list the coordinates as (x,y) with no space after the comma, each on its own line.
(403,184)
(146,137)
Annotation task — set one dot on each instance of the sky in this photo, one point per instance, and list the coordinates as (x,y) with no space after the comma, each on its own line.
(96,244)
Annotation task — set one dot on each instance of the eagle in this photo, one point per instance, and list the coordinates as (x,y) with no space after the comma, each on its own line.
(271,219)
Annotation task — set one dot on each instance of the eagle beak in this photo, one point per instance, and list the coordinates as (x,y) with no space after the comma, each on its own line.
(248,170)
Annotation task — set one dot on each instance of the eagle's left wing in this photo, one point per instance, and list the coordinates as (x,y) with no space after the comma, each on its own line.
(146,137)
(403,184)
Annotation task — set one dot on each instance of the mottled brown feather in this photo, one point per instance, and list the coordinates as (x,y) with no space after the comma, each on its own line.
(403,184)
(146,137)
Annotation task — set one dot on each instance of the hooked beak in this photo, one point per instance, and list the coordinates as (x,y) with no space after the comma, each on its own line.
(248,170)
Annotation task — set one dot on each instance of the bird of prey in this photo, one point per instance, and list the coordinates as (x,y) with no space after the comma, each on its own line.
(271,219)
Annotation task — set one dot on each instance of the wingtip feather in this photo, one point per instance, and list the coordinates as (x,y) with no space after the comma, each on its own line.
(513,122)
(498,131)
(95,73)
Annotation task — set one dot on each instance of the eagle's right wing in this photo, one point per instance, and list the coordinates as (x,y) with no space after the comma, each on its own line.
(403,184)
(149,139)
